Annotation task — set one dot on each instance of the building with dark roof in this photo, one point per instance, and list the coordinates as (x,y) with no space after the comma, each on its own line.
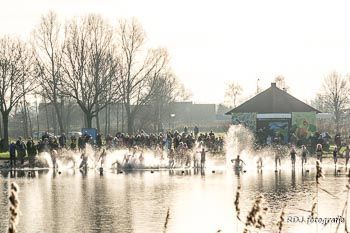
(273,100)
(276,115)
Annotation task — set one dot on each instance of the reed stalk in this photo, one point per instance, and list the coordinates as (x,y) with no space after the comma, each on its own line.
(255,216)
(14,208)
(281,219)
(166,220)
(238,210)
(346,204)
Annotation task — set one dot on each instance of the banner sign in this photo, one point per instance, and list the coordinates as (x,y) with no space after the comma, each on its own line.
(90,131)
(246,119)
(274,115)
(303,124)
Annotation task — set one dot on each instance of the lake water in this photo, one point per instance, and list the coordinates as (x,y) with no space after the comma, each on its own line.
(197,201)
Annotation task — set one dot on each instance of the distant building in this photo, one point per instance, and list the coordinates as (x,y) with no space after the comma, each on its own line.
(174,115)
(277,114)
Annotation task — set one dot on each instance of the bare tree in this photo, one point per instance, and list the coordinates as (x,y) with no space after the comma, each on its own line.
(319,102)
(233,90)
(48,56)
(335,96)
(281,82)
(16,78)
(169,89)
(90,66)
(138,74)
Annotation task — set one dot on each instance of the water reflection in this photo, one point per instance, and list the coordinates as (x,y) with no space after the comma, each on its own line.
(199,200)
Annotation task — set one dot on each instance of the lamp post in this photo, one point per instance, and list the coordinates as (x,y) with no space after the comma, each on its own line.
(172,117)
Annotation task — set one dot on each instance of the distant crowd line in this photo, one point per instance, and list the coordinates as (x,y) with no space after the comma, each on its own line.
(176,144)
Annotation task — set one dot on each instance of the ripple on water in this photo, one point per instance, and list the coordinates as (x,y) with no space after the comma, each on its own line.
(138,201)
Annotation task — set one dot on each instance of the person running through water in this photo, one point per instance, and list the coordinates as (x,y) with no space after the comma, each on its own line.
(126,158)
(54,159)
(141,159)
(238,163)
(259,163)
(335,155)
(292,156)
(102,157)
(347,155)
(203,155)
(304,153)
(319,152)
(171,157)
(195,161)
(84,160)
(277,157)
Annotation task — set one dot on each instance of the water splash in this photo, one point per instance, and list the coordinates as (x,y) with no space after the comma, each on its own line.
(238,141)
(241,141)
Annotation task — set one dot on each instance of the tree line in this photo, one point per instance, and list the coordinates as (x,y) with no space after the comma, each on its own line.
(88,61)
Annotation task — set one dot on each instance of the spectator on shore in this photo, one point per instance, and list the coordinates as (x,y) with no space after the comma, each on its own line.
(185,130)
(12,150)
(53,143)
(335,155)
(268,140)
(2,145)
(81,143)
(347,155)
(45,135)
(62,140)
(196,131)
(319,152)
(21,150)
(31,151)
(73,144)
(99,141)
(337,140)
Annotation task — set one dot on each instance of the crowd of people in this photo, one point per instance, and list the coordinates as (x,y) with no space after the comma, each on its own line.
(180,148)
(166,140)
(323,138)
(279,152)
(304,152)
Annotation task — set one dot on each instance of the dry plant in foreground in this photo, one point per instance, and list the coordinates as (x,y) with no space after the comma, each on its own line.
(14,208)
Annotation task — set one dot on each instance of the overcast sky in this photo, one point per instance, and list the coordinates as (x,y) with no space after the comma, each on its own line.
(213,42)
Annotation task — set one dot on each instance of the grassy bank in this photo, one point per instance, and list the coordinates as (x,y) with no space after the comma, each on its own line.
(4,155)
